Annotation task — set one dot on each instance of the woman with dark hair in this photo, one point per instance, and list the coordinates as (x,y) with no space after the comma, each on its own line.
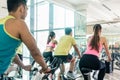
(51,43)
(90,58)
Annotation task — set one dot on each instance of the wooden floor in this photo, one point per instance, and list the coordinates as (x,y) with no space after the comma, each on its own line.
(115,75)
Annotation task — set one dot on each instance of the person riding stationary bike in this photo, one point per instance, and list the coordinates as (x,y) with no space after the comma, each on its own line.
(66,42)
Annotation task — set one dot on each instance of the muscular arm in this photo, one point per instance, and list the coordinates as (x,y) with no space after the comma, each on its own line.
(55,42)
(77,50)
(106,48)
(30,42)
(18,61)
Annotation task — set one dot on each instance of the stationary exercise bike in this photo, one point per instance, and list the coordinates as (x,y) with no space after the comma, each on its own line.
(11,73)
(116,58)
(36,75)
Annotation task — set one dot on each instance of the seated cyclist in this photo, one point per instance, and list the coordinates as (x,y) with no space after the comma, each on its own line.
(51,43)
(62,50)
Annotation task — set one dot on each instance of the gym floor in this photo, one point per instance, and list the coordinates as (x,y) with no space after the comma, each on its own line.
(113,76)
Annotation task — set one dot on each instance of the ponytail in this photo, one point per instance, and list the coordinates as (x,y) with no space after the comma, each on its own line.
(50,36)
(49,39)
(96,38)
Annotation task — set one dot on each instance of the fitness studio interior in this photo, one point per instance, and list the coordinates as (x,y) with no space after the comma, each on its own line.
(89,23)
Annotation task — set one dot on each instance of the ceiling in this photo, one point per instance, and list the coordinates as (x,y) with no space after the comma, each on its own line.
(106,12)
(97,10)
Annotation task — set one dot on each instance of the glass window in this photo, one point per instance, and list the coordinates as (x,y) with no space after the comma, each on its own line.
(41,38)
(42,16)
(27,19)
(80,24)
(38,1)
(28,2)
(26,61)
(59,17)
(69,18)
(61,32)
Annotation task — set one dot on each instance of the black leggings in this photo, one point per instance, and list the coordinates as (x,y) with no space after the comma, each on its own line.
(92,62)
(21,57)
(48,55)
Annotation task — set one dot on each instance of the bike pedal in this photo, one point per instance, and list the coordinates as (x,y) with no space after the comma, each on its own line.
(63,77)
(69,78)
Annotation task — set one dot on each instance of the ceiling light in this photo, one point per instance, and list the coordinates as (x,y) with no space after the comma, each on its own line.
(96,1)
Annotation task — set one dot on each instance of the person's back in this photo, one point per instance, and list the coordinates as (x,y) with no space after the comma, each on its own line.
(51,44)
(8,44)
(65,44)
(13,31)
(90,59)
(19,51)
(62,51)
(89,49)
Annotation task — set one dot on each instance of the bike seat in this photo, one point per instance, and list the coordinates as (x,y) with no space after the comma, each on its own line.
(86,70)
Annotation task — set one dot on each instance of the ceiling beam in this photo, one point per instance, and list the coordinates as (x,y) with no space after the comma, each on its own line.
(103,22)
(62,3)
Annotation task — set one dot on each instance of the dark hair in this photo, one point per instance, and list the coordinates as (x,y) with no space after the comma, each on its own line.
(96,38)
(13,5)
(50,36)
(68,30)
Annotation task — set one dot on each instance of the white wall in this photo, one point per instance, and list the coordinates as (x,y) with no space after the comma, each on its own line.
(3,8)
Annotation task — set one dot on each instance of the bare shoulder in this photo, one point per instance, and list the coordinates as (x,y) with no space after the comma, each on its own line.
(22,27)
(103,39)
(20,23)
(55,41)
(89,38)
(15,27)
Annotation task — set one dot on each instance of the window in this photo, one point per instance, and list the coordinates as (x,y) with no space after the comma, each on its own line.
(38,1)
(27,20)
(41,38)
(28,2)
(59,17)
(42,16)
(61,32)
(69,18)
